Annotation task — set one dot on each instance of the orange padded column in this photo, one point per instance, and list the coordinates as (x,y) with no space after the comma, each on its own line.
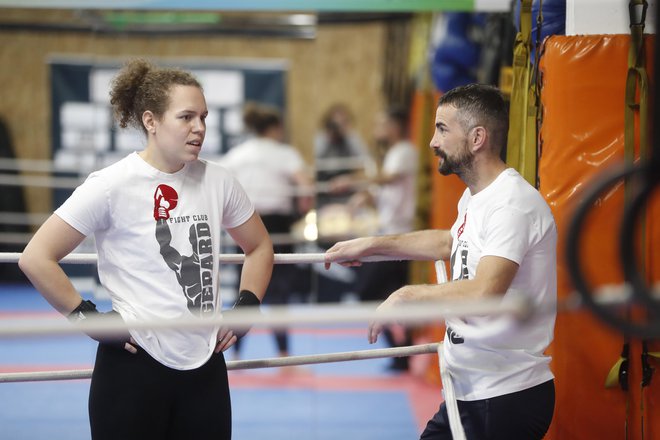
(583,79)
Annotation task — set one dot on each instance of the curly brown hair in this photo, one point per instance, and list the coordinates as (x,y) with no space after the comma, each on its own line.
(140,86)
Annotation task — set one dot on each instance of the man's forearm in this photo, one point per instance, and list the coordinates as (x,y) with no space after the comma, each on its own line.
(462,289)
(494,276)
(419,245)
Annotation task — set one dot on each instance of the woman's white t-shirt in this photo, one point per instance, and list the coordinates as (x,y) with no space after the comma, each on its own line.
(158,241)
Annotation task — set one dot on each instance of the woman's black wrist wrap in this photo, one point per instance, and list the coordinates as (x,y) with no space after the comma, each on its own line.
(87,308)
(84,309)
(245,299)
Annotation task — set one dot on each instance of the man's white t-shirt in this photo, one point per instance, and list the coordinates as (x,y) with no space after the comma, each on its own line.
(165,268)
(265,169)
(489,356)
(396,200)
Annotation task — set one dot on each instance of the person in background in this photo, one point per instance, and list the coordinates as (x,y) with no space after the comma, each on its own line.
(276,179)
(157,217)
(392,192)
(339,150)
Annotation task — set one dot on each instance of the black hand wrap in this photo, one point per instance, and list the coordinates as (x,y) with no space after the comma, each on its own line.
(84,309)
(245,299)
(87,309)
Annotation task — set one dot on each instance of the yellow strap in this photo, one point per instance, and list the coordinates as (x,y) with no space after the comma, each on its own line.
(637,77)
(526,20)
(637,80)
(521,146)
(612,379)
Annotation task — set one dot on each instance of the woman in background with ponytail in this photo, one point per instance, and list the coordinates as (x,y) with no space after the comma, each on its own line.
(275,178)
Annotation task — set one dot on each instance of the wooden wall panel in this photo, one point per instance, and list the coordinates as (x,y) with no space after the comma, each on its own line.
(344,63)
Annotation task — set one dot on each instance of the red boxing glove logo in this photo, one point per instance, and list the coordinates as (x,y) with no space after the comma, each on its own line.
(165,199)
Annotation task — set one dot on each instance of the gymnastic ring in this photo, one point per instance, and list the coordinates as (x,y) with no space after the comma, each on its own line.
(650,329)
(641,289)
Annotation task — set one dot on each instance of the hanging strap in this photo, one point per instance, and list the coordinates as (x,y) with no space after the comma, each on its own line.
(647,375)
(636,102)
(519,103)
(647,369)
(534,149)
(526,21)
(618,374)
(636,79)
(523,115)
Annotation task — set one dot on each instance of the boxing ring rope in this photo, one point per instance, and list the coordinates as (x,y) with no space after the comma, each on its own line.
(21,218)
(308,258)
(275,317)
(74,182)
(40,181)
(248,364)
(606,295)
(49,165)
(35,166)
(15,237)
(24,237)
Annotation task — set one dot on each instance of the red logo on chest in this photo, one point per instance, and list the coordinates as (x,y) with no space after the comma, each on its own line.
(165,200)
(462,227)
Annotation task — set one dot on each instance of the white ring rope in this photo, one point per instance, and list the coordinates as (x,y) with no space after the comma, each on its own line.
(19,219)
(15,237)
(40,181)
(248,364)
(49,165)
(22,218)
(35,166)
(307,258)
(74,182)
(276,317)
(604,295)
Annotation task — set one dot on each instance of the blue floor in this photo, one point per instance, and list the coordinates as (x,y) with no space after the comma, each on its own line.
(306,414)
(58,410)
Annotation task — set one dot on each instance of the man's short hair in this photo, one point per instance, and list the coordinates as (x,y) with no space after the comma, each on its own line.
(480,105)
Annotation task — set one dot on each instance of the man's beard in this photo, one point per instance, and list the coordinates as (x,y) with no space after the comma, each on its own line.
(454,165)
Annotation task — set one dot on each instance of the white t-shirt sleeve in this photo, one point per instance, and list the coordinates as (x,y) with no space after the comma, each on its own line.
(238,208)
(87,209)
(507,233)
